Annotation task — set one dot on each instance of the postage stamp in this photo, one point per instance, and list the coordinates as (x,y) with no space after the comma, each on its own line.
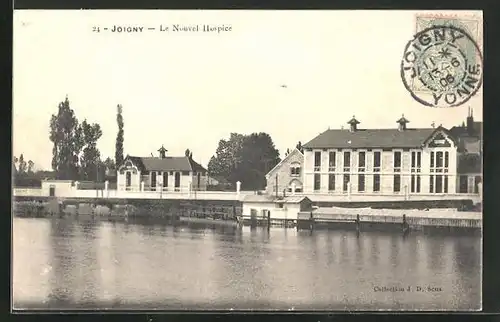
(442,66)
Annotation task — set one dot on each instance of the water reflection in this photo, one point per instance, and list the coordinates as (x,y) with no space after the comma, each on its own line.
(154,265)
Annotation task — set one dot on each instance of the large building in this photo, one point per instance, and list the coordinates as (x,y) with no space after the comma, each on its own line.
(401,160)
(470,154)
(163,173)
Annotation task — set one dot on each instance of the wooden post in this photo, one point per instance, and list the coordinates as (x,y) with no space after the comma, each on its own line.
(268,219)
(357,223)
(405,225)
(311,222)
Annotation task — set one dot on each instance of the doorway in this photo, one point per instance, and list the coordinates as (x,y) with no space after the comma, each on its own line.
(128,180)
(52,191)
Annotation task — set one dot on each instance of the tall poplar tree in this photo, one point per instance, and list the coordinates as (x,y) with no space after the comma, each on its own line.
(119,137)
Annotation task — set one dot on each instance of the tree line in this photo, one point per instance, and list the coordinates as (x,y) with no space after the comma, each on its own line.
(75,155)
(243,157)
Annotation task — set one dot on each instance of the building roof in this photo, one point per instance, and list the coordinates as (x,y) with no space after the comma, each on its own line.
(166,164)
(294,151)
(372,138)
(461,131)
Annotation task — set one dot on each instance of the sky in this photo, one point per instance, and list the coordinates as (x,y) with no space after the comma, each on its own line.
(192,89)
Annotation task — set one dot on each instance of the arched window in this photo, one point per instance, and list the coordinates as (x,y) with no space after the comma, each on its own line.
(295,169)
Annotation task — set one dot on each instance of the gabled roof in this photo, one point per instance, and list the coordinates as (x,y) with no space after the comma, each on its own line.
(294,151)
(373,138)
(166,164)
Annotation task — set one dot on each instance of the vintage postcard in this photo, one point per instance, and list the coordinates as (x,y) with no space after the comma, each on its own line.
(247,160)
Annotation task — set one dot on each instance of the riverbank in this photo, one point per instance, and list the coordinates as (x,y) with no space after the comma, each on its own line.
(391,219)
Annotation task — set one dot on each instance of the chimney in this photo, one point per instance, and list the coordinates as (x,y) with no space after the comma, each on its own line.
(470,122)
(353,123)
(402,123)
(162,151)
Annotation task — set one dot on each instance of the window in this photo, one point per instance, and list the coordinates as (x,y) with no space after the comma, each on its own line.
(439,183)
(415,183)
(165,179)
(413,159)
(317,181)
(419,159)
(317,161)
(431,183)
(397,159)
(376,159)
(477,181)
(361,182)
(397,183)
(331,182)
(462,186)
(347,179)
(331,162)
(295,170)
(439,165)
(376,182)
(347,161)
(439,159)
(362,159)
(153,179)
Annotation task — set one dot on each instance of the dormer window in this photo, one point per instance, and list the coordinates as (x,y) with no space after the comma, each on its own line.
(353,124)
(402,123)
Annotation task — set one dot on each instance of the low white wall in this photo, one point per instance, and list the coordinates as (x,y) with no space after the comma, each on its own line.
(28,192)
(66,190)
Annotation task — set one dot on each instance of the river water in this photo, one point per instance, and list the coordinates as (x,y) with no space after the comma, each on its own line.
(68,264)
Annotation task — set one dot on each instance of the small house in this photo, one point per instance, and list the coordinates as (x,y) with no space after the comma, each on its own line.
(260,207)
(162,173)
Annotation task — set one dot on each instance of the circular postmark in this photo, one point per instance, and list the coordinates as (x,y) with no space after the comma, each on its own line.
(442,66)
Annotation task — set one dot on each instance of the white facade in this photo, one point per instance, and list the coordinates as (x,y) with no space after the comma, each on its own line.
(285,209)
(335,177)
(130,177)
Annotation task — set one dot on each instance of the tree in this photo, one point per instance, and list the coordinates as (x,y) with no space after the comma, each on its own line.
(31,165)
(258,155)
(299,147)
(22,165)
(66,136)
(14,166)
(119,137)
(109,165)
(90,160)
(245,158)
(226,159)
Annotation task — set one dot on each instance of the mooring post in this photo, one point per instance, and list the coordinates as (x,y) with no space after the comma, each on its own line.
(357,223)
(268,219)
(311,221)
(405,224)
